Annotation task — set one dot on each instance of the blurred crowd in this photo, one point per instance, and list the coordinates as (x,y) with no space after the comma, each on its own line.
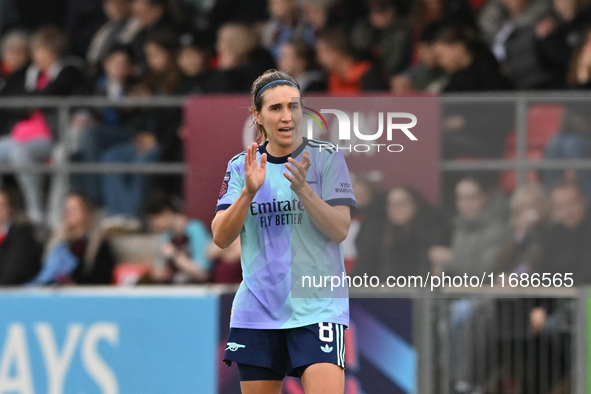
(146,48)
(396,234)
(80,251)
(393,233)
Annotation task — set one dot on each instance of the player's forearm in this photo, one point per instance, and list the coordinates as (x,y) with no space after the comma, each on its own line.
(227,224)
(333,222)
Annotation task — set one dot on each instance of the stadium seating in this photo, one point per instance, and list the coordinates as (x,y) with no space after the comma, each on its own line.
(543,121)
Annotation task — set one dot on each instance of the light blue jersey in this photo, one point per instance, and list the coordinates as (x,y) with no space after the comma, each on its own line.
(280,243)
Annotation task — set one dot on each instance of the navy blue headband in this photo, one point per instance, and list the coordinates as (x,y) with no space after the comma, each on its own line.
(272,82)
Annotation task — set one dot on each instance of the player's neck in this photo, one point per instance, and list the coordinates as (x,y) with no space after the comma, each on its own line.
(276,150)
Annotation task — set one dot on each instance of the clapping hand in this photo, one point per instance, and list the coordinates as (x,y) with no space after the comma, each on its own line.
(298,171)
(254,174)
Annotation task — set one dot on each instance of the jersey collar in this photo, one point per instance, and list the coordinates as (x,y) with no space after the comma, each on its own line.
(282,159)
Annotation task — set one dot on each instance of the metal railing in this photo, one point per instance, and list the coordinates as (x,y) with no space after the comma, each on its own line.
(61,168)
(521,164)
(64,107)
(487,345)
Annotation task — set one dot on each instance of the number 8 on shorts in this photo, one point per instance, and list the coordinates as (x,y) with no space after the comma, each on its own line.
(325,332)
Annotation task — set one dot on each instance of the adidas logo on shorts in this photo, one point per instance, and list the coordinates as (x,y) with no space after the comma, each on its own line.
(326,348)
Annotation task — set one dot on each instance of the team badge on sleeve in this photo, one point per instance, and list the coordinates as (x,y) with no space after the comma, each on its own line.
(224,188)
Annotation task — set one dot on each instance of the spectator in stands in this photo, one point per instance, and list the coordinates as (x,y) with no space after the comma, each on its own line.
(566,248)
(369,220)
(579,73)
(509,28)
(193,61)
(468,64)
(323,15)
(163,74)
(183,249)
(560,33)
(384,37)
(297,59)
(573,141)
(286,24)
(479,233)
(15,53)
(53,72)
(412,228)
(15,60)
(259,60)
(437,14)
(316,14)
(30,139)
(425,75)
(102,129)
(226,266)
(78,253)
(20,251)
(346,75)
(83,19)
(479,230)
(494,14)
(248,12)
(335,14)
(156,133)
(528,222)
(240,59)
(119,29)
(153,15)
(471,129)
(234,44)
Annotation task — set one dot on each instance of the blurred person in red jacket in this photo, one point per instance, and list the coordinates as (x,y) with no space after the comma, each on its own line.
(346,75)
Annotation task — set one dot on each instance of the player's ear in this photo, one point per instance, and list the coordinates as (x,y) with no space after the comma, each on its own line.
(257,117)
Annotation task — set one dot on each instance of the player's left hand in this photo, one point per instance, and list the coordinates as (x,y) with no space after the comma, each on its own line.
(298,171)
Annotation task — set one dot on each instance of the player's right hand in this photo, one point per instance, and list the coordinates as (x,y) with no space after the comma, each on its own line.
(254,174)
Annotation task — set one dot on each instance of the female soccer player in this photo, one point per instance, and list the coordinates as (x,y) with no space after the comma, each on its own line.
(290,199)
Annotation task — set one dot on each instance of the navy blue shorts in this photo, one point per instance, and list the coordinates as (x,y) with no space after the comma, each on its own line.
(285,351)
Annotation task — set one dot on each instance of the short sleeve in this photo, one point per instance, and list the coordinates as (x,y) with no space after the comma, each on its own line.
(336,185)
(232,184)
